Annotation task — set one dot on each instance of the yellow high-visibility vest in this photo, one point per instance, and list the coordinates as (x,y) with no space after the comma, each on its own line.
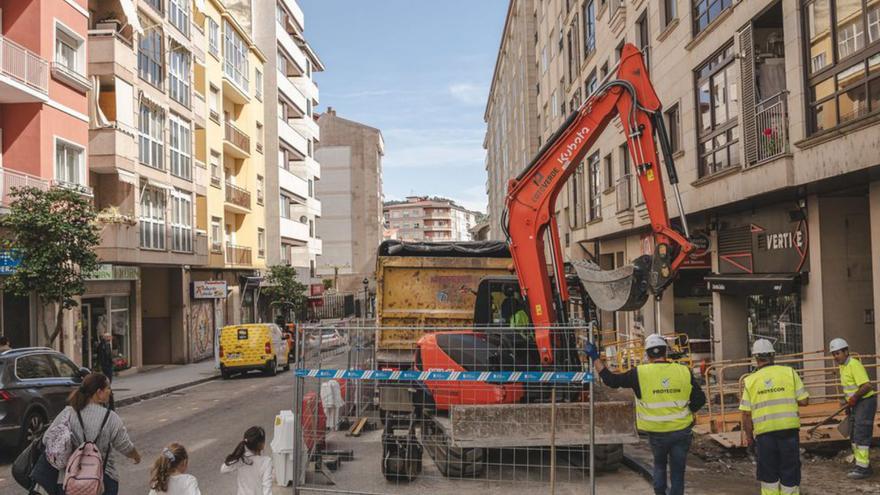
(665,395)
(853,376)
(771,394)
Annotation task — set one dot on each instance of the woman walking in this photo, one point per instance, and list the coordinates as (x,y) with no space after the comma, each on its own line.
(254,470)
(88,418)
(169,473)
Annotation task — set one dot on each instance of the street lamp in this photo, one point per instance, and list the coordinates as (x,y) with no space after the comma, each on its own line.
(366,283)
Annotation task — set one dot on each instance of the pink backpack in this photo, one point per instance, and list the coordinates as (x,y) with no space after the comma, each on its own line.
(85,468)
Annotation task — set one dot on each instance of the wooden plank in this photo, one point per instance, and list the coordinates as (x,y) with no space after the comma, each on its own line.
(356,428)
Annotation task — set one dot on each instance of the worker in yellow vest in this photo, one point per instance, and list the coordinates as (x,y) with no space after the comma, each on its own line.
(862,401)
(668,395)
(770,399)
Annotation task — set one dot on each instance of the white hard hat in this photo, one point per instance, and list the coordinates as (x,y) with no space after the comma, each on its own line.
(762,346)
(838,344)
(654,340)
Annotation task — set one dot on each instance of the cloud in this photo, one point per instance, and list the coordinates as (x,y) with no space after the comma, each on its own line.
(433,148)
(469,93)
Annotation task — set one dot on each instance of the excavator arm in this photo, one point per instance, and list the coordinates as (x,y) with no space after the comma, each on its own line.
(531,200)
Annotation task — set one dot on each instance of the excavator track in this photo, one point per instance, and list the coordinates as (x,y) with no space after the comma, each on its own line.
(453,462)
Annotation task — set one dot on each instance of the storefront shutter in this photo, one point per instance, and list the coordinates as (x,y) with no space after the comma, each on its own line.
(747,72)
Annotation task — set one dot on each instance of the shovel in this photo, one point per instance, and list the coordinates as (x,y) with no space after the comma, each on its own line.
(844,425)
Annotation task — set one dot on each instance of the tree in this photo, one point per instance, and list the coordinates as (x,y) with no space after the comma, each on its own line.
(284,290)
(54,233)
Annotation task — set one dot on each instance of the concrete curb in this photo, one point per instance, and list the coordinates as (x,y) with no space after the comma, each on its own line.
(162,391)
(642,469)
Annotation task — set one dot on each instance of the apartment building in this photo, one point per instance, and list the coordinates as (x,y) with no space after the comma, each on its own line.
(511,123)
(291,136)
(232,146)
(350,189)
(772,112)
(43,126)
(423,218)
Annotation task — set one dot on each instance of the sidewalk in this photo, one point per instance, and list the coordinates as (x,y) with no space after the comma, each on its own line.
(158,380)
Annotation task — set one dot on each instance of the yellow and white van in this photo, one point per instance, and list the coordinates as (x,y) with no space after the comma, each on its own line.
(252,346)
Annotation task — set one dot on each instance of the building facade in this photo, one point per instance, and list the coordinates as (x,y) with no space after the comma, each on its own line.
(291,136)
(772,112)
(44,127)
(511,110)
(423,218)
(350,189)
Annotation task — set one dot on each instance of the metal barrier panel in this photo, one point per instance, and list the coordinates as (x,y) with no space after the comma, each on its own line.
(473,410)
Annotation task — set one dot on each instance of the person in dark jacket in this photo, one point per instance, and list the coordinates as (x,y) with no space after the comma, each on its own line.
(105,360)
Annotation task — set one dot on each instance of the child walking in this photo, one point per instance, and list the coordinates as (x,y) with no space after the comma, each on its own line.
(169,473)
(254,470)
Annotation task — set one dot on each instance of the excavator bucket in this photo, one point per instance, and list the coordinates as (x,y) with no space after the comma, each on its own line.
(621,289)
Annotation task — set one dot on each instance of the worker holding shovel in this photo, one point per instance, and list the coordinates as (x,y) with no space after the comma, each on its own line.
(862,401)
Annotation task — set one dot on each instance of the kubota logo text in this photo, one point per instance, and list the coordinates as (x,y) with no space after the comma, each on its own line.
(564,157)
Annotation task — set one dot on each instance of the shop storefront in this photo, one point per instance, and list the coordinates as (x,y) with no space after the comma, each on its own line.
(108,306)
(206,317)
(762,267)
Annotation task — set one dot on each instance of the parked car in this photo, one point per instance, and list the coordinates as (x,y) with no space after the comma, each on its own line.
(329,338)
(34,385)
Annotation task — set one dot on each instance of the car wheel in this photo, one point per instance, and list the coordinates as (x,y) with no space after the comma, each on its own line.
(225,374)
(33,423)
(287,366)
(272,368)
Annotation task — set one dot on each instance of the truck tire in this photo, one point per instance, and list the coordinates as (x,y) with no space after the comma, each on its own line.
(608,457)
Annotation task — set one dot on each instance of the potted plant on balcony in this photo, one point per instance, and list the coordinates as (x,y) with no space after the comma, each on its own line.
(111,215)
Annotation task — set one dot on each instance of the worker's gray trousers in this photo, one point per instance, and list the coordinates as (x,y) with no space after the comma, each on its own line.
(862,428)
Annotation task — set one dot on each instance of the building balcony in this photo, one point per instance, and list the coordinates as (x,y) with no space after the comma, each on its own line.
(316,246)
(111,54)
(624,193)
(24,75)
(293,183)
(238,255)
(236,86)
(238,199)
(294,230)
(120,243)
(307,127)
(311,207)
(71,77)
(235,141)
(111,148)
(12,179)
(292,50)
(295,11)
(771,124)
(306,86)
(292,93)
(293,138)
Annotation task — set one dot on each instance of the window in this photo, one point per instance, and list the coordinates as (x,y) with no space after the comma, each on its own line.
(618,52)
(259,137)
(670,11)
(151,125)
(179,14)
(181,147)
(235,57)
(609,172)
(311,188)
(643,39)
(594,188)
(706,11)
(718,108)
(261,243)
(603,71)
(69,49)
(156,4)
(673,126)
(284,206)
(150,56)
(261,184)
(592,84)
(573,57)
(544,60)
(589,27)
(844,83)
(179,73)
(69,168)
(65,368)
(216,235)
(214,103)
(258,84)
(213,37)
(312,268)
(33,367)
(181,221)
(575,201)
(152,218)
(554,105)
(285,254)
(216,166)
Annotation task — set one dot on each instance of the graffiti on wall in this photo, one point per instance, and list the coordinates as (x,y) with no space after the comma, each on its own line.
(201,339)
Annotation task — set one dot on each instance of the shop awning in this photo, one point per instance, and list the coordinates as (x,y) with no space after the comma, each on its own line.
(131,13)
(756,284)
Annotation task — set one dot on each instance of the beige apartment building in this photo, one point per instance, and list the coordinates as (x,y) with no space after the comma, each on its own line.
(350,189)
(423,218)
(772,108)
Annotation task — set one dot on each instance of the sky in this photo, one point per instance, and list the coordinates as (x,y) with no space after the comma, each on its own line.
(420,72)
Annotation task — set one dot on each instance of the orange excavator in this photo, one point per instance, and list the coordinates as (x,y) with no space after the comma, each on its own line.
(528,219)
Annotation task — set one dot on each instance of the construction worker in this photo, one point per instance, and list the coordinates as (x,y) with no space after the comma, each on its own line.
(668,396)
(862,401)
(770,399)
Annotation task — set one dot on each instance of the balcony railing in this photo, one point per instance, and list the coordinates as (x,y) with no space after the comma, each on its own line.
(238,138)
(238,196)
(238,255)
(624,193)
(24,65)
(11,179)
(771,124)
